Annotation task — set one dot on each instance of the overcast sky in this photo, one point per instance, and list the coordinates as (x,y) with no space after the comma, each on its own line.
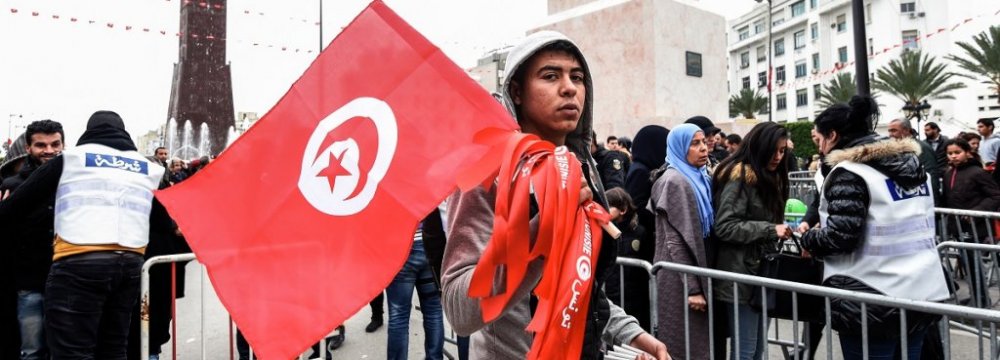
(56,68)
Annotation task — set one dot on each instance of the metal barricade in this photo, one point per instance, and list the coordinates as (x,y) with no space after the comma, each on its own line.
(969,251)
(802,186)
(206,353)
(985,320)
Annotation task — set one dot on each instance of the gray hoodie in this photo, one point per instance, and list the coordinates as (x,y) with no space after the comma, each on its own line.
(470,219)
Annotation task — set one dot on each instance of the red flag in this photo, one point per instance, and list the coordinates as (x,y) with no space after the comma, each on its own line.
(310,214)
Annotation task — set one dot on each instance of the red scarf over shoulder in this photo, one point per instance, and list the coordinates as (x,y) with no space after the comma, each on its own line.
(568,238)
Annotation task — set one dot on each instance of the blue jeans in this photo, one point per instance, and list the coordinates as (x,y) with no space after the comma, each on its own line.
(878,349)
(89,300)
(752,341)
(31,320)
(416,273)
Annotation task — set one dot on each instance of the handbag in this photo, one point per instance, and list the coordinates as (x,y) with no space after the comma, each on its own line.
(785,262)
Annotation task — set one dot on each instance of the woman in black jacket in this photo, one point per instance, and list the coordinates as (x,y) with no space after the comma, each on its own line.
(876,231)
(968,187)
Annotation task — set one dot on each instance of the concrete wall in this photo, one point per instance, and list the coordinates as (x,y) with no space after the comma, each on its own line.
(556,6)
(636,52)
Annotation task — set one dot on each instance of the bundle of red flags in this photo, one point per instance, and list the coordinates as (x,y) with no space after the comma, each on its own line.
(568,238)
(311,213)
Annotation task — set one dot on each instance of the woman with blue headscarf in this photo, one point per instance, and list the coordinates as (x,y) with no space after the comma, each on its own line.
(681,200)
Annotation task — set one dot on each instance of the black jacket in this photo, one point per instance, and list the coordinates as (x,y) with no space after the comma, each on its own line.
(969,187)
(848,199)
(611,165)
(33,236)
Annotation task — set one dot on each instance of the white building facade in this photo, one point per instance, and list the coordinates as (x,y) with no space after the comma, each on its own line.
(813,40)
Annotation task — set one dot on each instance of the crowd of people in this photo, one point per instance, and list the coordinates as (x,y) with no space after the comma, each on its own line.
(690,195)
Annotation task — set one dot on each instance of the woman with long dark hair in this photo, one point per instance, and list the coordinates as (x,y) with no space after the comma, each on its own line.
(876,231)
(750,188)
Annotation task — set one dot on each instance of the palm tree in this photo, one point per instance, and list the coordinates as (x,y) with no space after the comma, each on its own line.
(747,103)
(983,57)
(915,77)
(839,90)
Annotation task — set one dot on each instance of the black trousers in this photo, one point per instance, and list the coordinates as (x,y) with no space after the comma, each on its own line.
(88,304)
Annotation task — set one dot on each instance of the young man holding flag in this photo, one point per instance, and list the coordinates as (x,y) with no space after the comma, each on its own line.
(549,92)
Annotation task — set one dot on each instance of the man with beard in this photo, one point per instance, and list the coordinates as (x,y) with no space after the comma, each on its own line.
(33,254)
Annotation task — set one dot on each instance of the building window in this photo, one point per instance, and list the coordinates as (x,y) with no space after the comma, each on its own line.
(799,39)
(779,74)
(761,53)
(758,26)
(693,61)
(910,39)
(746,82)
(744,60)
(841,23)
(812,4)
(798,8)
(778,21)
(907,7)
(871,46)
(814,31)
(801,97)
(868,14)
(779,47)
(815,59)
(842,54)
(782,102)
(816,91)
(762,79)
(744,32)
(800,69)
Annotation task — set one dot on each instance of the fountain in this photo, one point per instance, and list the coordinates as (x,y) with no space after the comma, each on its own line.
(231,136)
(204,141)
(172,142)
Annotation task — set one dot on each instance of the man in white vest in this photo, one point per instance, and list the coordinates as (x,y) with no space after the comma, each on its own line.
(104,195)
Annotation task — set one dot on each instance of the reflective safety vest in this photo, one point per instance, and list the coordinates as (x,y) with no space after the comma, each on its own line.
(897,255)
(105,196)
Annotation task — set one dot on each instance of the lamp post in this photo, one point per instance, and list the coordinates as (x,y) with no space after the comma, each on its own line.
(919,110)
(860,48)
(770,67)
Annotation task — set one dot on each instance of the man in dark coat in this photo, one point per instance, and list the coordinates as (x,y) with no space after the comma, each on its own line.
(610,163)
(33,254)
(10,346)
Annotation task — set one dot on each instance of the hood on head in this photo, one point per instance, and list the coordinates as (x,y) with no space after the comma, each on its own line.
(650,146)
(15,154)
(577,141)
(107,128)
(897,159)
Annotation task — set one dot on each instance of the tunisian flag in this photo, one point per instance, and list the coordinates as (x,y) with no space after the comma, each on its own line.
(311,213)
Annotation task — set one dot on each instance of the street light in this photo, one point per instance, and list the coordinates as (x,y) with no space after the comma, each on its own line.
(770,68)
(917,110)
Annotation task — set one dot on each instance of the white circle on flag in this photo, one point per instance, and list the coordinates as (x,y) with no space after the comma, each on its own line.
(333,197)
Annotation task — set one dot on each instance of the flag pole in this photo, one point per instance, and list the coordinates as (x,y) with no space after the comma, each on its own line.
(320,26)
